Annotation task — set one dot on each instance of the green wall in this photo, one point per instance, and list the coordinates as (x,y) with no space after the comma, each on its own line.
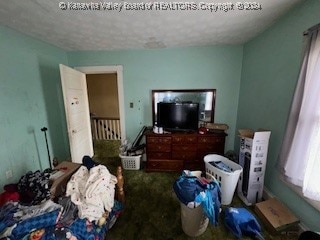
(271,65)
(30,98)
(259,77)
(216,67)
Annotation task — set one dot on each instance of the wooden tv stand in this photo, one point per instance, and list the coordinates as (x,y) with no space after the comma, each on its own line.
(178,151)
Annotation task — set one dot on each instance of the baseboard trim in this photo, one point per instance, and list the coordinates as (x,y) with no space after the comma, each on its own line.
(267,194)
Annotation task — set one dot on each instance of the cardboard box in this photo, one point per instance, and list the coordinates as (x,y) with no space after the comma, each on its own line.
(275,216)
(60,178)
(253,160)
(217,126)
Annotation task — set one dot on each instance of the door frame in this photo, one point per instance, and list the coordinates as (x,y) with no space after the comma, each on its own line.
(118,69)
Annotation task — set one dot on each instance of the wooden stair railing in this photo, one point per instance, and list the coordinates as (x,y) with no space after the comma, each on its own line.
(105,128)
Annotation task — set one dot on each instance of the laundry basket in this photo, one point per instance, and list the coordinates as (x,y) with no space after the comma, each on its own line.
(130,162)
(228,180)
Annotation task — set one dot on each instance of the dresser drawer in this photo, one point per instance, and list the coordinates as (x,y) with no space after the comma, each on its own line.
(158,148)
(159,155)
(194,166)
(210,147)
(184,155)
(158,140)
(184,147)
(164,165)
(184,139)
(178,151)
(213,140)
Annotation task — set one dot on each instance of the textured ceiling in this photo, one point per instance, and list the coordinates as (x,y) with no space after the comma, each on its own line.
(153,26)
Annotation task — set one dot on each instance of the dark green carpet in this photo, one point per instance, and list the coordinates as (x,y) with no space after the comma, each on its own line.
(152,210)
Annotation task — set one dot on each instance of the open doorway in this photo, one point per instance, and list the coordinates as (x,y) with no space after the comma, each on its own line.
(114,135)
(75,95)
(118,71)
(104,106)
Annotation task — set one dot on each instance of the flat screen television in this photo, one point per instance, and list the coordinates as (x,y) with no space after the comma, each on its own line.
(174,116)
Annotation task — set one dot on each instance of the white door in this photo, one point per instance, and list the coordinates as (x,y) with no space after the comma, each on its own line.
(75,95)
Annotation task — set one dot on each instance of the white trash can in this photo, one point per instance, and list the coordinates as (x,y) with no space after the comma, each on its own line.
(193,220)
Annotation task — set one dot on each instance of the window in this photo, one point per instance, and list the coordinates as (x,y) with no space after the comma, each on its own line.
(300,153)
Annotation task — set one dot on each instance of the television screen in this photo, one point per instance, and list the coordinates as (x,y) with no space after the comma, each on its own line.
(182,116)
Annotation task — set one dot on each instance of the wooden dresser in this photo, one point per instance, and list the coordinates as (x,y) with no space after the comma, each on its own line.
(178,151)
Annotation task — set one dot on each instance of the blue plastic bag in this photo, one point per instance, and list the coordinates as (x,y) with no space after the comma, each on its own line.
(241,222)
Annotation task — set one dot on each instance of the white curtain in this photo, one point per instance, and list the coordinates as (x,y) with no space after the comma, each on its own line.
(300,153)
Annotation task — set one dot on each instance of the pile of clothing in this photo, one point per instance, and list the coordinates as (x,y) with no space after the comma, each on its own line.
(32,188)
(194,190)
(86,211)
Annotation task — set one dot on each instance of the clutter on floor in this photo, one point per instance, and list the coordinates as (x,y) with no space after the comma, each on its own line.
(151,197)
(200,201)
(166,217)
(131,154)
(72,201)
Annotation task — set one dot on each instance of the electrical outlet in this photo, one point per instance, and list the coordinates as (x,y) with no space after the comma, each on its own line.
(9,174)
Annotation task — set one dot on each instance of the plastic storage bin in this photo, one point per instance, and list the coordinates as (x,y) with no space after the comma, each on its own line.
(130,162)
(228,180)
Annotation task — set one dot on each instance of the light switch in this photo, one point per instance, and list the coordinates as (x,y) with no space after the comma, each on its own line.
(131,105)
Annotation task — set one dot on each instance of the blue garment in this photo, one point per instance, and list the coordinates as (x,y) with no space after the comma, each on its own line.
(187,188)
(7,215)
(41,221)
(210,200)
(241,222)
(88,162)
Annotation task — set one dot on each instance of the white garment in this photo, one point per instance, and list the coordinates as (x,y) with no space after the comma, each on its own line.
(93,191)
